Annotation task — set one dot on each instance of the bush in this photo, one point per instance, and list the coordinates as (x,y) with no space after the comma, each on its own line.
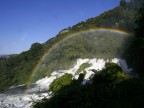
(109,88)
(111,75)
(83,67)
(61,82)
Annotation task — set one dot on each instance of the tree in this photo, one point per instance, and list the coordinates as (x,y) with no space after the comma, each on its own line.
(136,53)
(36,46)
(122,2)
(139,31)
(61,82)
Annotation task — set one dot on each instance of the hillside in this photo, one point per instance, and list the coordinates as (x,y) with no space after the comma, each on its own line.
(99,43)
(15,70)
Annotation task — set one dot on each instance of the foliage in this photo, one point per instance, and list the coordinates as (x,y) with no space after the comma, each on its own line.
(15,70)
(91,44)
(135,55)
(112,74)
(109,88)
(83,67)
(61,82)
(122,2)
(116,18)
(140,23)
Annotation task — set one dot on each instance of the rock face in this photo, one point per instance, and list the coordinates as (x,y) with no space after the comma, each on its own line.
(19,97)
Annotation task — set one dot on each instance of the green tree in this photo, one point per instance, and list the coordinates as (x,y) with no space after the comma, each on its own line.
(61,82)
(36,45)
(136,53)
(139,31)
(122,2)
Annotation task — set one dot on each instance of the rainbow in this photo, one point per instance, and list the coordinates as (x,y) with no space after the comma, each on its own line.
(63,39)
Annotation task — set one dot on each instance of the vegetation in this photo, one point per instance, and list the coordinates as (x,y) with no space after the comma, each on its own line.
(83,67)
(122,2)
(16,69)
(90,44)
(135,56)
(139,32)
(110,88)
(61,82)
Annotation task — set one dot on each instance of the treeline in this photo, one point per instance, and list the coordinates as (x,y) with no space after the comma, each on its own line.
(16,70)
(135,54)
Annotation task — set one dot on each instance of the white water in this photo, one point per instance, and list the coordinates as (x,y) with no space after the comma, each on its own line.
(18,97)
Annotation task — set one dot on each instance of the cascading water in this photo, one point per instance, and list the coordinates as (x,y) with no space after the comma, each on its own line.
(20,97)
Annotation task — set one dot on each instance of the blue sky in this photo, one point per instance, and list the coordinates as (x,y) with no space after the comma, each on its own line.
(23,22)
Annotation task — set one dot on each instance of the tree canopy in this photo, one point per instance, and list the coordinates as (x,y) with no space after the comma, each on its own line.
(122,2)
(140,23)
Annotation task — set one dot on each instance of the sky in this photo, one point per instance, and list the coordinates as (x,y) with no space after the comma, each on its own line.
(24,22)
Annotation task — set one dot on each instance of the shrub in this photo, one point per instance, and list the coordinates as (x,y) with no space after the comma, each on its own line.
(83,67)
(61,82)
(111,75)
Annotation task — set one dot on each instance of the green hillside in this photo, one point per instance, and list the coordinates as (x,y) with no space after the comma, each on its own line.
(100,43)
(15,70)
